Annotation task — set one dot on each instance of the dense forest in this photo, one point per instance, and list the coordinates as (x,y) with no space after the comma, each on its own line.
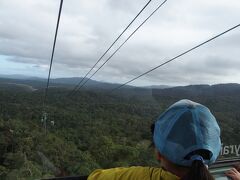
(94,129)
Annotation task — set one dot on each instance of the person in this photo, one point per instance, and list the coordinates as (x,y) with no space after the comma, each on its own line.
(234,173)
(186,138)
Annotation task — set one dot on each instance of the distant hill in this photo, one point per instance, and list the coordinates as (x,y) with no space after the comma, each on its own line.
(26,83)
(18,86)
(200,90)
(89,85)
(158,87)
(21,84)
(71,81)
(68,83)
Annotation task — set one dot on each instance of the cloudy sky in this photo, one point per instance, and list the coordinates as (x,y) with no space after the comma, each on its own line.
(88,27)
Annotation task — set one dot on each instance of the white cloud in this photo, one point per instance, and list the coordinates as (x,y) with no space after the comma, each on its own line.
(87,28)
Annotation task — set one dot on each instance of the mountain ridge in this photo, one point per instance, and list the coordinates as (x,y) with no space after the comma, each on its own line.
(154,90)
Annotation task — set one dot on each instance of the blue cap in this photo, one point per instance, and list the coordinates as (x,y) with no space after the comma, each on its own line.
(186,127)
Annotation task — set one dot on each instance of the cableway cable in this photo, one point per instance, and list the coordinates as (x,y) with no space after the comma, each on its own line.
(77,86)
(174,58)
(77,89)
(50,67)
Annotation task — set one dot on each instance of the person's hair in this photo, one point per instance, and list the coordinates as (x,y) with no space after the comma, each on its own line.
(198,171)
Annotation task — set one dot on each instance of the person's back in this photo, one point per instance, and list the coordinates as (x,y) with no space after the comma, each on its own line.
(135,172)
(187,139)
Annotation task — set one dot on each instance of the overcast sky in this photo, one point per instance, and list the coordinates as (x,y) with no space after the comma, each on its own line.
(88,27)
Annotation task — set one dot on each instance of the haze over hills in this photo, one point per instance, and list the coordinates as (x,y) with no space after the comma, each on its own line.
(64,82)
(19,76)
(26,83)
(35,83)
(200,90)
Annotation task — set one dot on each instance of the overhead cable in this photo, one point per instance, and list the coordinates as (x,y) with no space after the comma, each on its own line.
(77,86)
(77,89)
(176,57)
(51,62)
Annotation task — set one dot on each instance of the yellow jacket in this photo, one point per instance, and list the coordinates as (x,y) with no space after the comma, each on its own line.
(132,173)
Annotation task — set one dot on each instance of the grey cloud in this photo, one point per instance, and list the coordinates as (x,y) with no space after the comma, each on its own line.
(36,66)
(126,6)
(87,28)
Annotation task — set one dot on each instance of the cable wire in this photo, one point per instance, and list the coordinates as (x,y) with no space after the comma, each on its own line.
(174,58)
(77,89)
(51,62)
(77,86)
